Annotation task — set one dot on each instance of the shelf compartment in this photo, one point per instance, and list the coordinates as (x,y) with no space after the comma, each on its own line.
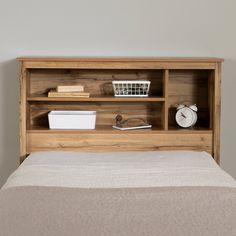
(98,82)
(190,87)
(106,112)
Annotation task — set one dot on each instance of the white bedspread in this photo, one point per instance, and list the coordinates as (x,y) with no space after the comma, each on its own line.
(120,170)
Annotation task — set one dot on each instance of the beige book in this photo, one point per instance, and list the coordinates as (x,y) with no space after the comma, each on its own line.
(54,93)
(70,88)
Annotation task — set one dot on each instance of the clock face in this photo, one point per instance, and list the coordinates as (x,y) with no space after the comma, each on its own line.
(185,117)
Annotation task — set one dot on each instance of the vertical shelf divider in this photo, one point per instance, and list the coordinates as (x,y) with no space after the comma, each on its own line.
(211,97)
(166,103)
(27,81)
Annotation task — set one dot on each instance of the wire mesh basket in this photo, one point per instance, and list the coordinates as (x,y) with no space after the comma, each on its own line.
(131,88)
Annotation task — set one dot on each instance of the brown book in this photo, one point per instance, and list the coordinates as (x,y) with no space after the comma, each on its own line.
(54,93)
(70,88)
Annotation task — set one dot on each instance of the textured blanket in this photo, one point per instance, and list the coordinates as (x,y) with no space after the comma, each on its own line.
(177,211)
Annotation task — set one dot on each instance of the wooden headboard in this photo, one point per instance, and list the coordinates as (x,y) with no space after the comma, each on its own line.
(173,81)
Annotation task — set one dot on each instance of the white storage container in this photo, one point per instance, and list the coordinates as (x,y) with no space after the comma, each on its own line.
(131,88)
(72,119)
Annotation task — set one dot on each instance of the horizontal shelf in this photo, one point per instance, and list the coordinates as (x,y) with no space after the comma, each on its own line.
(195,128)
(109,129)
(96,99)
(98,129)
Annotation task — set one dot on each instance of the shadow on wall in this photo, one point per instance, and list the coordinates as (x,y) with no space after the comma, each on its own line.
(9,118)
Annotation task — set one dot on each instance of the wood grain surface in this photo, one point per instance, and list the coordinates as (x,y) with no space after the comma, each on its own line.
(173,81)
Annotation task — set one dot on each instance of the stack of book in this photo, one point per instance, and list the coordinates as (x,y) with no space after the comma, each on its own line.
(69,91)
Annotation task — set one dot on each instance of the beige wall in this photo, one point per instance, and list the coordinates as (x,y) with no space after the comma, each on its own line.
(114,28)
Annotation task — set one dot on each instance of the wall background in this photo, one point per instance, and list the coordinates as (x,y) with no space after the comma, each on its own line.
(114,28)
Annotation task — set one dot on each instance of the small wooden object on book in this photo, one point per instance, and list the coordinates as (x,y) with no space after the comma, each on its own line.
(70,88)
(54,93)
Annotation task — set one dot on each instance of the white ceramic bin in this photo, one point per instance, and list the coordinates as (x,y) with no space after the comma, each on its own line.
(72,119)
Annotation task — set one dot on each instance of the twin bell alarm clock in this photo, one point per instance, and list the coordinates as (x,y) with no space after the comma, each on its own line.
(186,116)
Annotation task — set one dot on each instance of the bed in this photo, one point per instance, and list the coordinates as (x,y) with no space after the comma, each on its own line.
(161,181)
(130,193)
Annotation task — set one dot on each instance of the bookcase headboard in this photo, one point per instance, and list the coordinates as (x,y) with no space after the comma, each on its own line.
(173,81)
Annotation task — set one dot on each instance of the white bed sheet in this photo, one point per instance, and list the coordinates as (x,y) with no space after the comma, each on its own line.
(120,170)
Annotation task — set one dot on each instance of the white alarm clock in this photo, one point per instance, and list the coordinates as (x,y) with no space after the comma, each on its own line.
(186,116)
